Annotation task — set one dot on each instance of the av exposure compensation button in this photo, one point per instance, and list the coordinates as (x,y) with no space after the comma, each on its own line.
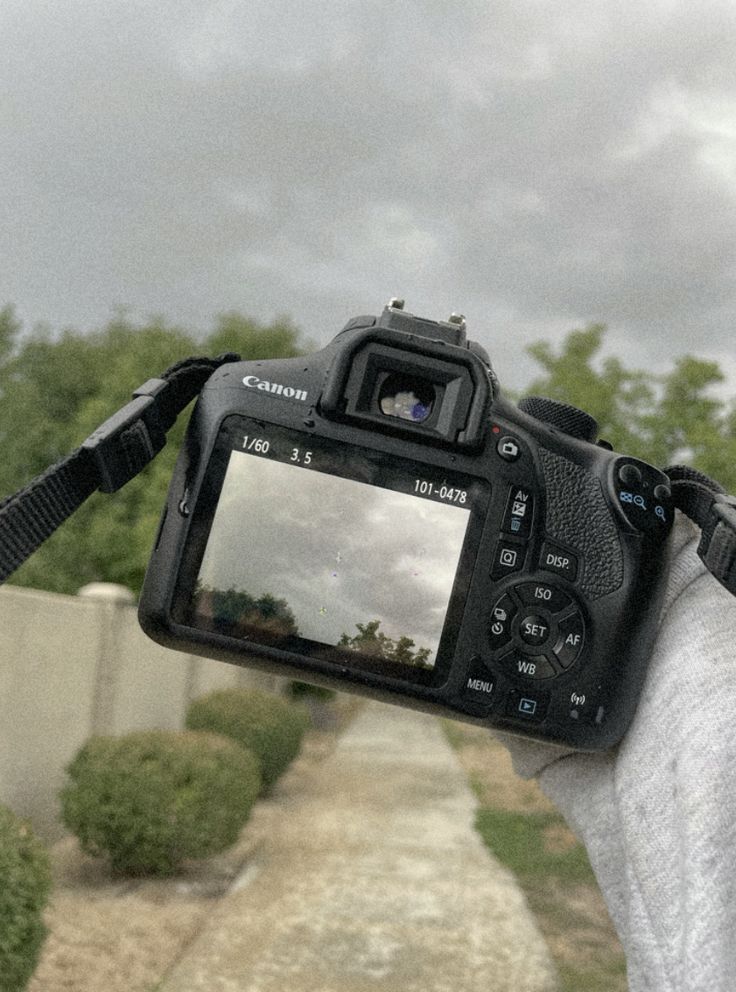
(517,518)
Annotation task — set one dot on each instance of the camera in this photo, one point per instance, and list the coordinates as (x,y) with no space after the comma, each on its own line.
(378,518)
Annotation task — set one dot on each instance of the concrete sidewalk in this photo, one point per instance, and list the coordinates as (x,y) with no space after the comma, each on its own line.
(373,880)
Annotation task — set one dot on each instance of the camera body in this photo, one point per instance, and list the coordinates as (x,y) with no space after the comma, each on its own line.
(378,518)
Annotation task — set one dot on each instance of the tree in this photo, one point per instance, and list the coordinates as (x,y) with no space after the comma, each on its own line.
(371,641)
(55,391)
(236,611)
(662,418)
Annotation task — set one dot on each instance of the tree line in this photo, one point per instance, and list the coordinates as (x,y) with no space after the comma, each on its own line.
(56,388)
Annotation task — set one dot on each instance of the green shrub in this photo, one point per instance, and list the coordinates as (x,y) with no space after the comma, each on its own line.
(152,799)
(302,690)
(25,880)
(271,727)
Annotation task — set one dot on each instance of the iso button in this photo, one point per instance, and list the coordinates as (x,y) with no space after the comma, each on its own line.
(570,640)
(543,594)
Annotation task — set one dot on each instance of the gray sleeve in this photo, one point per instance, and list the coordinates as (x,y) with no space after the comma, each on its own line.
(658,814)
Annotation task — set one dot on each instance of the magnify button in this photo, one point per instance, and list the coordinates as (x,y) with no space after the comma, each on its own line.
(659,510)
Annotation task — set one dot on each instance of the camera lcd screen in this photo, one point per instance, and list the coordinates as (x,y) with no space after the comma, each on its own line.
(332,552)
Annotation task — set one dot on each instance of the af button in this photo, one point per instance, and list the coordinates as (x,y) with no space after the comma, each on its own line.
(570,640)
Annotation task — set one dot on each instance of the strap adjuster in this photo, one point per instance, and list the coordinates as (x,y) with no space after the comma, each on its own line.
(126,442)
(717,548)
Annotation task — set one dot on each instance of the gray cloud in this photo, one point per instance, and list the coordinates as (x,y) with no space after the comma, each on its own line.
(535,166)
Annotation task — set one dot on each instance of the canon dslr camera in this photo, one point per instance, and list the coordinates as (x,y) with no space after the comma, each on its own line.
(377,518)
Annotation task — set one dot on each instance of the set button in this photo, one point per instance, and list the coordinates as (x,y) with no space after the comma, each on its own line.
(534,629)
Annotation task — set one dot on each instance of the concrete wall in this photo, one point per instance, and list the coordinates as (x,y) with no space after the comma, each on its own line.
(73,666)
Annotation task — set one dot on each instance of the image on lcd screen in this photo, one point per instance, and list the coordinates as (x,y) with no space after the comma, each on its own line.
(295,553)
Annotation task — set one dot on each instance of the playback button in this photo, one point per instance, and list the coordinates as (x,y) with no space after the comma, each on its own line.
(531,706)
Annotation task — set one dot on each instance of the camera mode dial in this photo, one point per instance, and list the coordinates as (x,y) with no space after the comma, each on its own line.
(569,419)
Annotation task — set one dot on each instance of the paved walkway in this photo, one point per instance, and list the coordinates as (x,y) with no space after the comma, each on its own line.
(373,880)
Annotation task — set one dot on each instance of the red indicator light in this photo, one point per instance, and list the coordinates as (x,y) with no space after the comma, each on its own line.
(496,429)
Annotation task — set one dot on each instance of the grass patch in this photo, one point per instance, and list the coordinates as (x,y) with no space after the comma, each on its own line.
(534,845)
(555,874)
(528,836)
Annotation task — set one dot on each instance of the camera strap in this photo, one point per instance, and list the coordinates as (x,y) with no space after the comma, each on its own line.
(110,457)
(122,447)
(708,504)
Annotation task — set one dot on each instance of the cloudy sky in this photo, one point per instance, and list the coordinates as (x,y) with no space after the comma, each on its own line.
(537,165)
(339,552)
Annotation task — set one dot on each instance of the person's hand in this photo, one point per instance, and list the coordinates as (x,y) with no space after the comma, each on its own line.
(658,813)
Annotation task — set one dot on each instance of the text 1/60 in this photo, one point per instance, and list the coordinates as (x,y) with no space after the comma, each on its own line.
(258,445)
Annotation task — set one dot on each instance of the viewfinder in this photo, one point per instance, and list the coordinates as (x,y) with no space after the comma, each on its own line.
(406,398)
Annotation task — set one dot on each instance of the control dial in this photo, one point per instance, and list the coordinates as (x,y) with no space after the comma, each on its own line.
(568,419)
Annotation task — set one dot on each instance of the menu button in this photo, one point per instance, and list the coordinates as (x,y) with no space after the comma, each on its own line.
(478,685)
